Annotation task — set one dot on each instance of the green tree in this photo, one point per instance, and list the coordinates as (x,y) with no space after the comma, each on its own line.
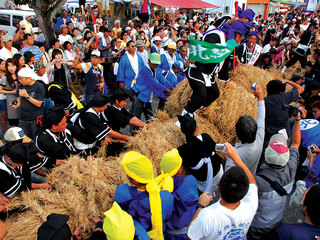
(45,11)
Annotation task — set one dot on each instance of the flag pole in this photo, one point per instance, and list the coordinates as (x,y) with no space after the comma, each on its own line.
(234,51)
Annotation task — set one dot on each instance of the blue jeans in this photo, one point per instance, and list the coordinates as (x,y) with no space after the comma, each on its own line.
(29,128)
(127,9)
(117,8)
(36,178)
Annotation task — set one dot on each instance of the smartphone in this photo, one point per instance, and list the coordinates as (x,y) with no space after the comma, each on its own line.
(220,147)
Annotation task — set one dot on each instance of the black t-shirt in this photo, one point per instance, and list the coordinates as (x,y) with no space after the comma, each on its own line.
(28,111)
(277,117)
(116,118)
(60,75)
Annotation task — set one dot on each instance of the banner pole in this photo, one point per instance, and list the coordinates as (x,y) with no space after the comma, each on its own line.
(234,51)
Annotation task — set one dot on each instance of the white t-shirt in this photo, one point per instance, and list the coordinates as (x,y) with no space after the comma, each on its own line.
(5,53)
(217,222)
(63,39)
(81,25)
(44,78)
(27,25)
(74,22)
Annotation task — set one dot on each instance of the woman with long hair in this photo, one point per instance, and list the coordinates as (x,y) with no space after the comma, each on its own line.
(8,86)
(20,60)
(3,106)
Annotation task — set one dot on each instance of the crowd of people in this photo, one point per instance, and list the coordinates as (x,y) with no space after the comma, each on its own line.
(143,59)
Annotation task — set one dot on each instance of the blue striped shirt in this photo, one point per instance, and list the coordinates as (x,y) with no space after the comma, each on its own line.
(35,50)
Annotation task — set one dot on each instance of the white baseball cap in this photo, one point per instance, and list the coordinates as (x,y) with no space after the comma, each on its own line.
(14,134)
(157,38)
(27,72)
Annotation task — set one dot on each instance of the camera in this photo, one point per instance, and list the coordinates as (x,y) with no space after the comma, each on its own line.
(253,86)
(220,147)
(58,60)
(312,148)
(292,110)
(14,102)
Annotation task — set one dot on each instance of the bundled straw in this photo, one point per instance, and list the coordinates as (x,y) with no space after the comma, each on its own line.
(237,101)
(178,99)
(245,76)
(153,142)
(85,189)
(82,190)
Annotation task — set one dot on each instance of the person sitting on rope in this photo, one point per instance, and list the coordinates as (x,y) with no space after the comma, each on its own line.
(53,139)
(17,162)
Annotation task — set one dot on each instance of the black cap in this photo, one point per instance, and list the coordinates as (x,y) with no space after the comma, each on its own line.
(99,100)
(55,228)
(273,51)
(317,51)
(309,64)
(28,55)
(22,152)
(267,54)
(121,94)
(313,85)
(53,116)
(187,124)
(296,78)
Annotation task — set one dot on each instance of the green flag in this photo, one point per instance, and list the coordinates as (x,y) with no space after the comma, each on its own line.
(205,52)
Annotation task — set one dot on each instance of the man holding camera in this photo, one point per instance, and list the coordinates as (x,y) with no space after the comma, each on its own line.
(277,115)
(251,135)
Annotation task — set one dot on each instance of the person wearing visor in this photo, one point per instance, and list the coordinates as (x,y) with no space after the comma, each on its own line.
(170,56)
